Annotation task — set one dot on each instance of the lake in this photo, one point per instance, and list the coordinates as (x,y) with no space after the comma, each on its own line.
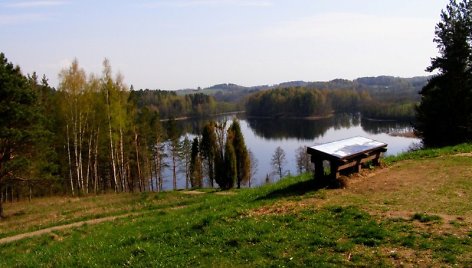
(263,136)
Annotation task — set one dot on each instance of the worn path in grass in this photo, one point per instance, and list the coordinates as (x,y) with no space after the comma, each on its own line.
(63,227)
(17,237)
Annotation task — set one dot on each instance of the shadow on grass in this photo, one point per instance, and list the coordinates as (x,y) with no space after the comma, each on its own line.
(303,187)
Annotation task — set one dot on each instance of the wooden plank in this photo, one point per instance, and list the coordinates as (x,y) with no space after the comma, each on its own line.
(357,162)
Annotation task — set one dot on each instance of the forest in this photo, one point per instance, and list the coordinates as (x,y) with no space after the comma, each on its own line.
(385,98)
(94,134)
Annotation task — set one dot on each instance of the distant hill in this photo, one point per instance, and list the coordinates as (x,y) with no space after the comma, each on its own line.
(376,86)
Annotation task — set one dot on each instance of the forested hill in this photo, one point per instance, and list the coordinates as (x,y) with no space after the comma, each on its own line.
(382,97)
(377,86)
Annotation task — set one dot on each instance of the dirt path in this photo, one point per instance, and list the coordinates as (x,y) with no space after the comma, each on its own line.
(63,227)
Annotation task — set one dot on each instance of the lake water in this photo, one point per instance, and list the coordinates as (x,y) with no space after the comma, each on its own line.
(263,136)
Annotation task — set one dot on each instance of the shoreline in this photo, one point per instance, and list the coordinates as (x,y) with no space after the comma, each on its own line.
(315,117)
(202,117)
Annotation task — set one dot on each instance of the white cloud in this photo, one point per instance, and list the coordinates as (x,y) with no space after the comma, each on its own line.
(21,18)
(352,26)
(210,3)
(20,12)
(34,4)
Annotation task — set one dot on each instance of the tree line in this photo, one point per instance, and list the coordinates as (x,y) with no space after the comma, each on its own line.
(309,102)
(168,104)
(93,135)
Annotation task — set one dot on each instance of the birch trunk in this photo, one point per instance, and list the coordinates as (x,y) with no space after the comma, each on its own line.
(96,163)
(174,171)
(112,151)
(80,170)
(138,166)
(122,164)
(70,161)
(76,154)
(89,164)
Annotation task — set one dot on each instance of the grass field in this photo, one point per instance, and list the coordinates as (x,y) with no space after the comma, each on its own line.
(416,211)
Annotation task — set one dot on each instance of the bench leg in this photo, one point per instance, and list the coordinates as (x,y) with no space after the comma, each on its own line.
(376,161)
(334,170)
(319,170)
(359,166)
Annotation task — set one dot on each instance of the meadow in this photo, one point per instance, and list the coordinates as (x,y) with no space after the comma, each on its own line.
(414,211)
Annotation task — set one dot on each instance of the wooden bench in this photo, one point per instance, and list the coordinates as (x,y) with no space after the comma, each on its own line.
(343,154)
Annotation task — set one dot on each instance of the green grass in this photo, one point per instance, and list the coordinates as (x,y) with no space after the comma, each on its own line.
(291,223)
(430,153)
(422,217)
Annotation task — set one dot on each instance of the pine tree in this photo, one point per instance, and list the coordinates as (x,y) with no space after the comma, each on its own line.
(230,164)
(195,165)
(208,149)
(243,162)
(17,122)
(444,115)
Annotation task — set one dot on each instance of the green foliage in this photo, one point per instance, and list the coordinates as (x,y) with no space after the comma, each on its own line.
(17,101)
(243,164)
(444,116)
(383,110)
(208,149)
(373,97)
(196,175)
(430,153)
(283,102)
(168,104)
(21,128)
(230,164)
(225,154)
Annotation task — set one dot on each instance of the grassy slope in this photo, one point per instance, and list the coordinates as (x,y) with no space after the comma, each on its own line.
(417,211)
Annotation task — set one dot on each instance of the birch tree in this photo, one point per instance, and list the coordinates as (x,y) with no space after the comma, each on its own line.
(73,85)
(116,95)
(174,149)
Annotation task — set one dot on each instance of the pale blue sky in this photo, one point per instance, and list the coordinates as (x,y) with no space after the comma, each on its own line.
(174,44)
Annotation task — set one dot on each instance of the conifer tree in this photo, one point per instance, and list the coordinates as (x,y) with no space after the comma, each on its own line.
(444,115)
(230,164)
(17,122)
(208,149)
(195,165)
(243,162)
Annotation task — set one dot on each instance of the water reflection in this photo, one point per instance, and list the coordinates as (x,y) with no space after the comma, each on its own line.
(389,127)
(289,128)
(305,129)
(262,136)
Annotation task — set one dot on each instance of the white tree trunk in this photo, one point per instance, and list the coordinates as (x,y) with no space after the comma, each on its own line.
(70,161)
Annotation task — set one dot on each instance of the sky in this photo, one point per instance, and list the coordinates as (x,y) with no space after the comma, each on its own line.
(177,44)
